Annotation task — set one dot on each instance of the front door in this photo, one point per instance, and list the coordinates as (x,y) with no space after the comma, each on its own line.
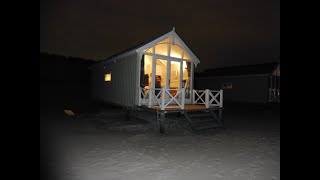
(168,75)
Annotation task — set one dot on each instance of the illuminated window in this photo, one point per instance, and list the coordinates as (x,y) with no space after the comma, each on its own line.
(162,49)
(186,56)
(107,77)
(176,51)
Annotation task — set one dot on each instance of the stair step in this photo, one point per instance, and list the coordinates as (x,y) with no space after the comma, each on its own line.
(200,115)
(206,126)
(203,120)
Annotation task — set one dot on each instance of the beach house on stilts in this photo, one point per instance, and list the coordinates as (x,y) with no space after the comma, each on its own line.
(157,75)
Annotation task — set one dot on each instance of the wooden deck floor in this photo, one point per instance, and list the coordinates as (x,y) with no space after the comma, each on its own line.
(187,107)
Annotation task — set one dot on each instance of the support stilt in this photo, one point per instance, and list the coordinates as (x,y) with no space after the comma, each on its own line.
(161,120)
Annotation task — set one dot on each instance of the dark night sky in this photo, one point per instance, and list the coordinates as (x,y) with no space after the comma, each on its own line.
(219,32)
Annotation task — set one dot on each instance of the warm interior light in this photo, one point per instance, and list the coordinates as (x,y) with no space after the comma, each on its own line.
(161,49)
(107,77)
(176,55)
(186,55)
(176,51)
(175,62)
(184,65)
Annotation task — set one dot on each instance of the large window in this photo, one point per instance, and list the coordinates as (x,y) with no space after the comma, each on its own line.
(175,75)
(176,49)
(172,70)
(146,71)
(161,73)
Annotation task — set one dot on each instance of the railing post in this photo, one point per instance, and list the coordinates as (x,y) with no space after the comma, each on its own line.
(221,98)
(269,99)
(207,98)
(150,98)
(193,96)
(183,97)
(139,103)
(163,99)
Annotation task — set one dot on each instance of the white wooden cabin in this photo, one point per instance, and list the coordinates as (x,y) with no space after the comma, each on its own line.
(128,78)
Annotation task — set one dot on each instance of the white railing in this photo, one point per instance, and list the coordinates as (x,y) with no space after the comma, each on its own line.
(162,97)
(208,97)
(274,95)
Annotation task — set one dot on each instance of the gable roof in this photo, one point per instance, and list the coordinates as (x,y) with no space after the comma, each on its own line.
(139,48)
(266,68)
(132,48)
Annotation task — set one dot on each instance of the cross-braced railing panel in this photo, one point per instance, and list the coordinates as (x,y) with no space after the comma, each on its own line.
(199,96)
(274,95)
(174,98)
(161,97)
(213,98)
(208,97)
(143,96)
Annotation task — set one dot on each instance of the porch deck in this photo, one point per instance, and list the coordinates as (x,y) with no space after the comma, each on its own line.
(208,102)
(197,115)
(164,100)
(187,107)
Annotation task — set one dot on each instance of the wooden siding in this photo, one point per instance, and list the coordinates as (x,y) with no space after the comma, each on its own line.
(122,88)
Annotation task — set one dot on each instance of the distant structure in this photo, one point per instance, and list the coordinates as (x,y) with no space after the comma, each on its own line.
(65,80)
(259,83)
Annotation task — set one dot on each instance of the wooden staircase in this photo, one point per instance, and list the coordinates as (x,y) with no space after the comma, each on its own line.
(204,120)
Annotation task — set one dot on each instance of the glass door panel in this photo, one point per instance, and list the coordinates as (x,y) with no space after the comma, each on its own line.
(186,78)
(160,75)
(175,79)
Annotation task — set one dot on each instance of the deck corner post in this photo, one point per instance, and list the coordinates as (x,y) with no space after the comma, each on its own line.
(221,98)
(163,98)
(162,121)
(183,98)
(139,103)
(207,98)
(193,96)
(149,98)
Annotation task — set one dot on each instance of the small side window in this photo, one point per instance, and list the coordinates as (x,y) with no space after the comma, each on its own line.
(107,77)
